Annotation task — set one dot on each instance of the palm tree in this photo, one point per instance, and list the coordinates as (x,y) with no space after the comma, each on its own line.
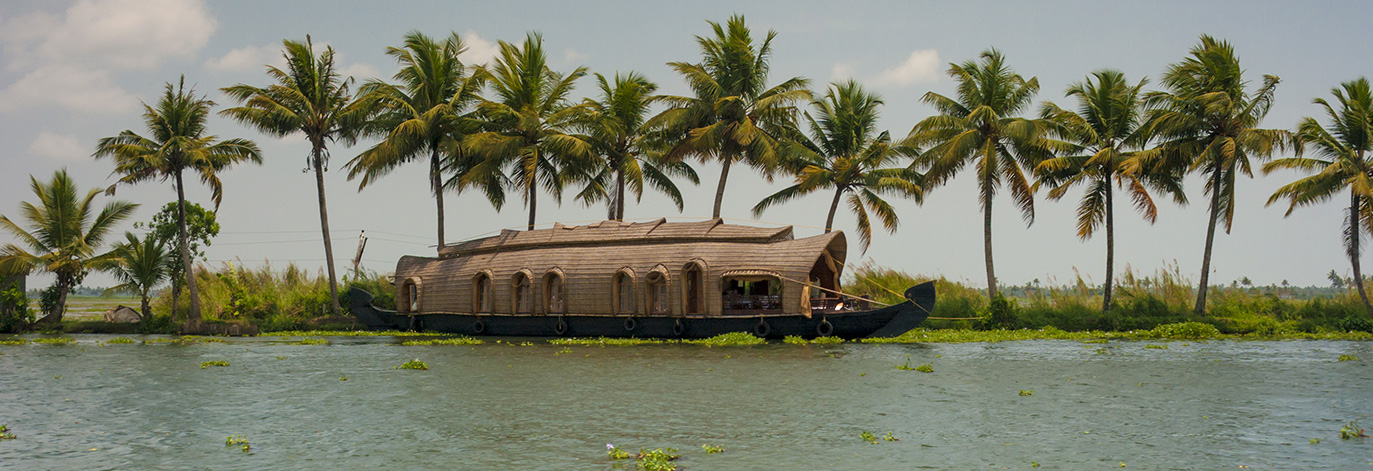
(139,265)
(1104,137)
(178,144)
(733,115)
(1207,122)
(312,99)
(1343,162)
(423,115)
(629,150)
(845,155)
(64,237)
(529,127)
(980,126)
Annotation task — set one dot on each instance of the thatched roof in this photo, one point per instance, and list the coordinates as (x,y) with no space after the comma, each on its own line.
(588,259)
(607,232)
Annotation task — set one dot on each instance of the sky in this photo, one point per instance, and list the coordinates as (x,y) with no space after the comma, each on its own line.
(74,72)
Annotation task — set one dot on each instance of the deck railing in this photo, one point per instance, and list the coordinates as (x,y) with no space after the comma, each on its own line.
(742,302)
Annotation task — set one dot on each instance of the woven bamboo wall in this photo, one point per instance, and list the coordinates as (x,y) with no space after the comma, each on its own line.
(589,268)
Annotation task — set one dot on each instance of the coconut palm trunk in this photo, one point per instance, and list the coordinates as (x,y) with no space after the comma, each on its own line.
(987,243)
(620,195)
(436,183)
(533,193)
(720,190)
(1200,309)
(317,159)
(1353,236)
(194,315)
(1110,246)
(834,207)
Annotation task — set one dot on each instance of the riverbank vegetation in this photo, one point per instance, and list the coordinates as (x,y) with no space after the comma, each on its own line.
(1140,304)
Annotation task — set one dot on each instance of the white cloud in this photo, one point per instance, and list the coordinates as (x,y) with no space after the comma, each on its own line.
(71,59)
(59,147)
(70,86)
(921,66)
(841,72)
(479,51)
(573,57)
(359,71)
(128,34)
(248,59)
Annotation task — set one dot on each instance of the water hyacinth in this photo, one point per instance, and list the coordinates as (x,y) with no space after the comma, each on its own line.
(415,364)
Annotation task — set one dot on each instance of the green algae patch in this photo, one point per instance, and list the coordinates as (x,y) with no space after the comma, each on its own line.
(415,364)
(207,364)
(730,339)
(608,341)
(55,341)
(185,340)
(349,333)
(449,341)
(310,341)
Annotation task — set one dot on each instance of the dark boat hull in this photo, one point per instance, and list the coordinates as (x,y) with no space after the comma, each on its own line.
(889,321)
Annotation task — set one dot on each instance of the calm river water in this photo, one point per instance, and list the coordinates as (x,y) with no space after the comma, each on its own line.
(1191,405)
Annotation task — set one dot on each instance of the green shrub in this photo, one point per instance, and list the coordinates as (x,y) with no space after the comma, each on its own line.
(1000,314)
(1185,330)
(15,314)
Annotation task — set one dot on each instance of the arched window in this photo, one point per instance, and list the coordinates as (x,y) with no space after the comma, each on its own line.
(554,303)
(412,296)
(481,293)
(624,292)
(521,294)
(693,288)
(657,292)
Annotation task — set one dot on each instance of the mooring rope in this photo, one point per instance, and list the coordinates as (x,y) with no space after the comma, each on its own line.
(841,293)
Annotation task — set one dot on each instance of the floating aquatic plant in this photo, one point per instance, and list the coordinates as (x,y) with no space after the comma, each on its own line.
(615,452)
(1352,430)
(5,433)
(415,364)
(349,333)
(659,459)
(604,341)
(891,438)
(207,364)
(463,340)
(1027,392)
(564,351)
(310,341)
(1315,441)
(730,339)
(14,341)
(868,437)
(239,441)
(1154,346)
(925,368)
(120,340)
(1348,358)
(185,340)
(798,340)
(712,449)
(55,341)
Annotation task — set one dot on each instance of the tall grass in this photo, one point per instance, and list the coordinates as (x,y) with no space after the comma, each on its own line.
(1140,303)
(285,299)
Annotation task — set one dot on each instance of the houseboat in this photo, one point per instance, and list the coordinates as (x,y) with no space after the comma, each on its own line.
(648,279)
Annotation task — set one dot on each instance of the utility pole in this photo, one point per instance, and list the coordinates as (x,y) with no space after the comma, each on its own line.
(357,259)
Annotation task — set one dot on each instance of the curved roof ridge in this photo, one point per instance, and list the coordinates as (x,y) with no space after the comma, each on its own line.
(610,231)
